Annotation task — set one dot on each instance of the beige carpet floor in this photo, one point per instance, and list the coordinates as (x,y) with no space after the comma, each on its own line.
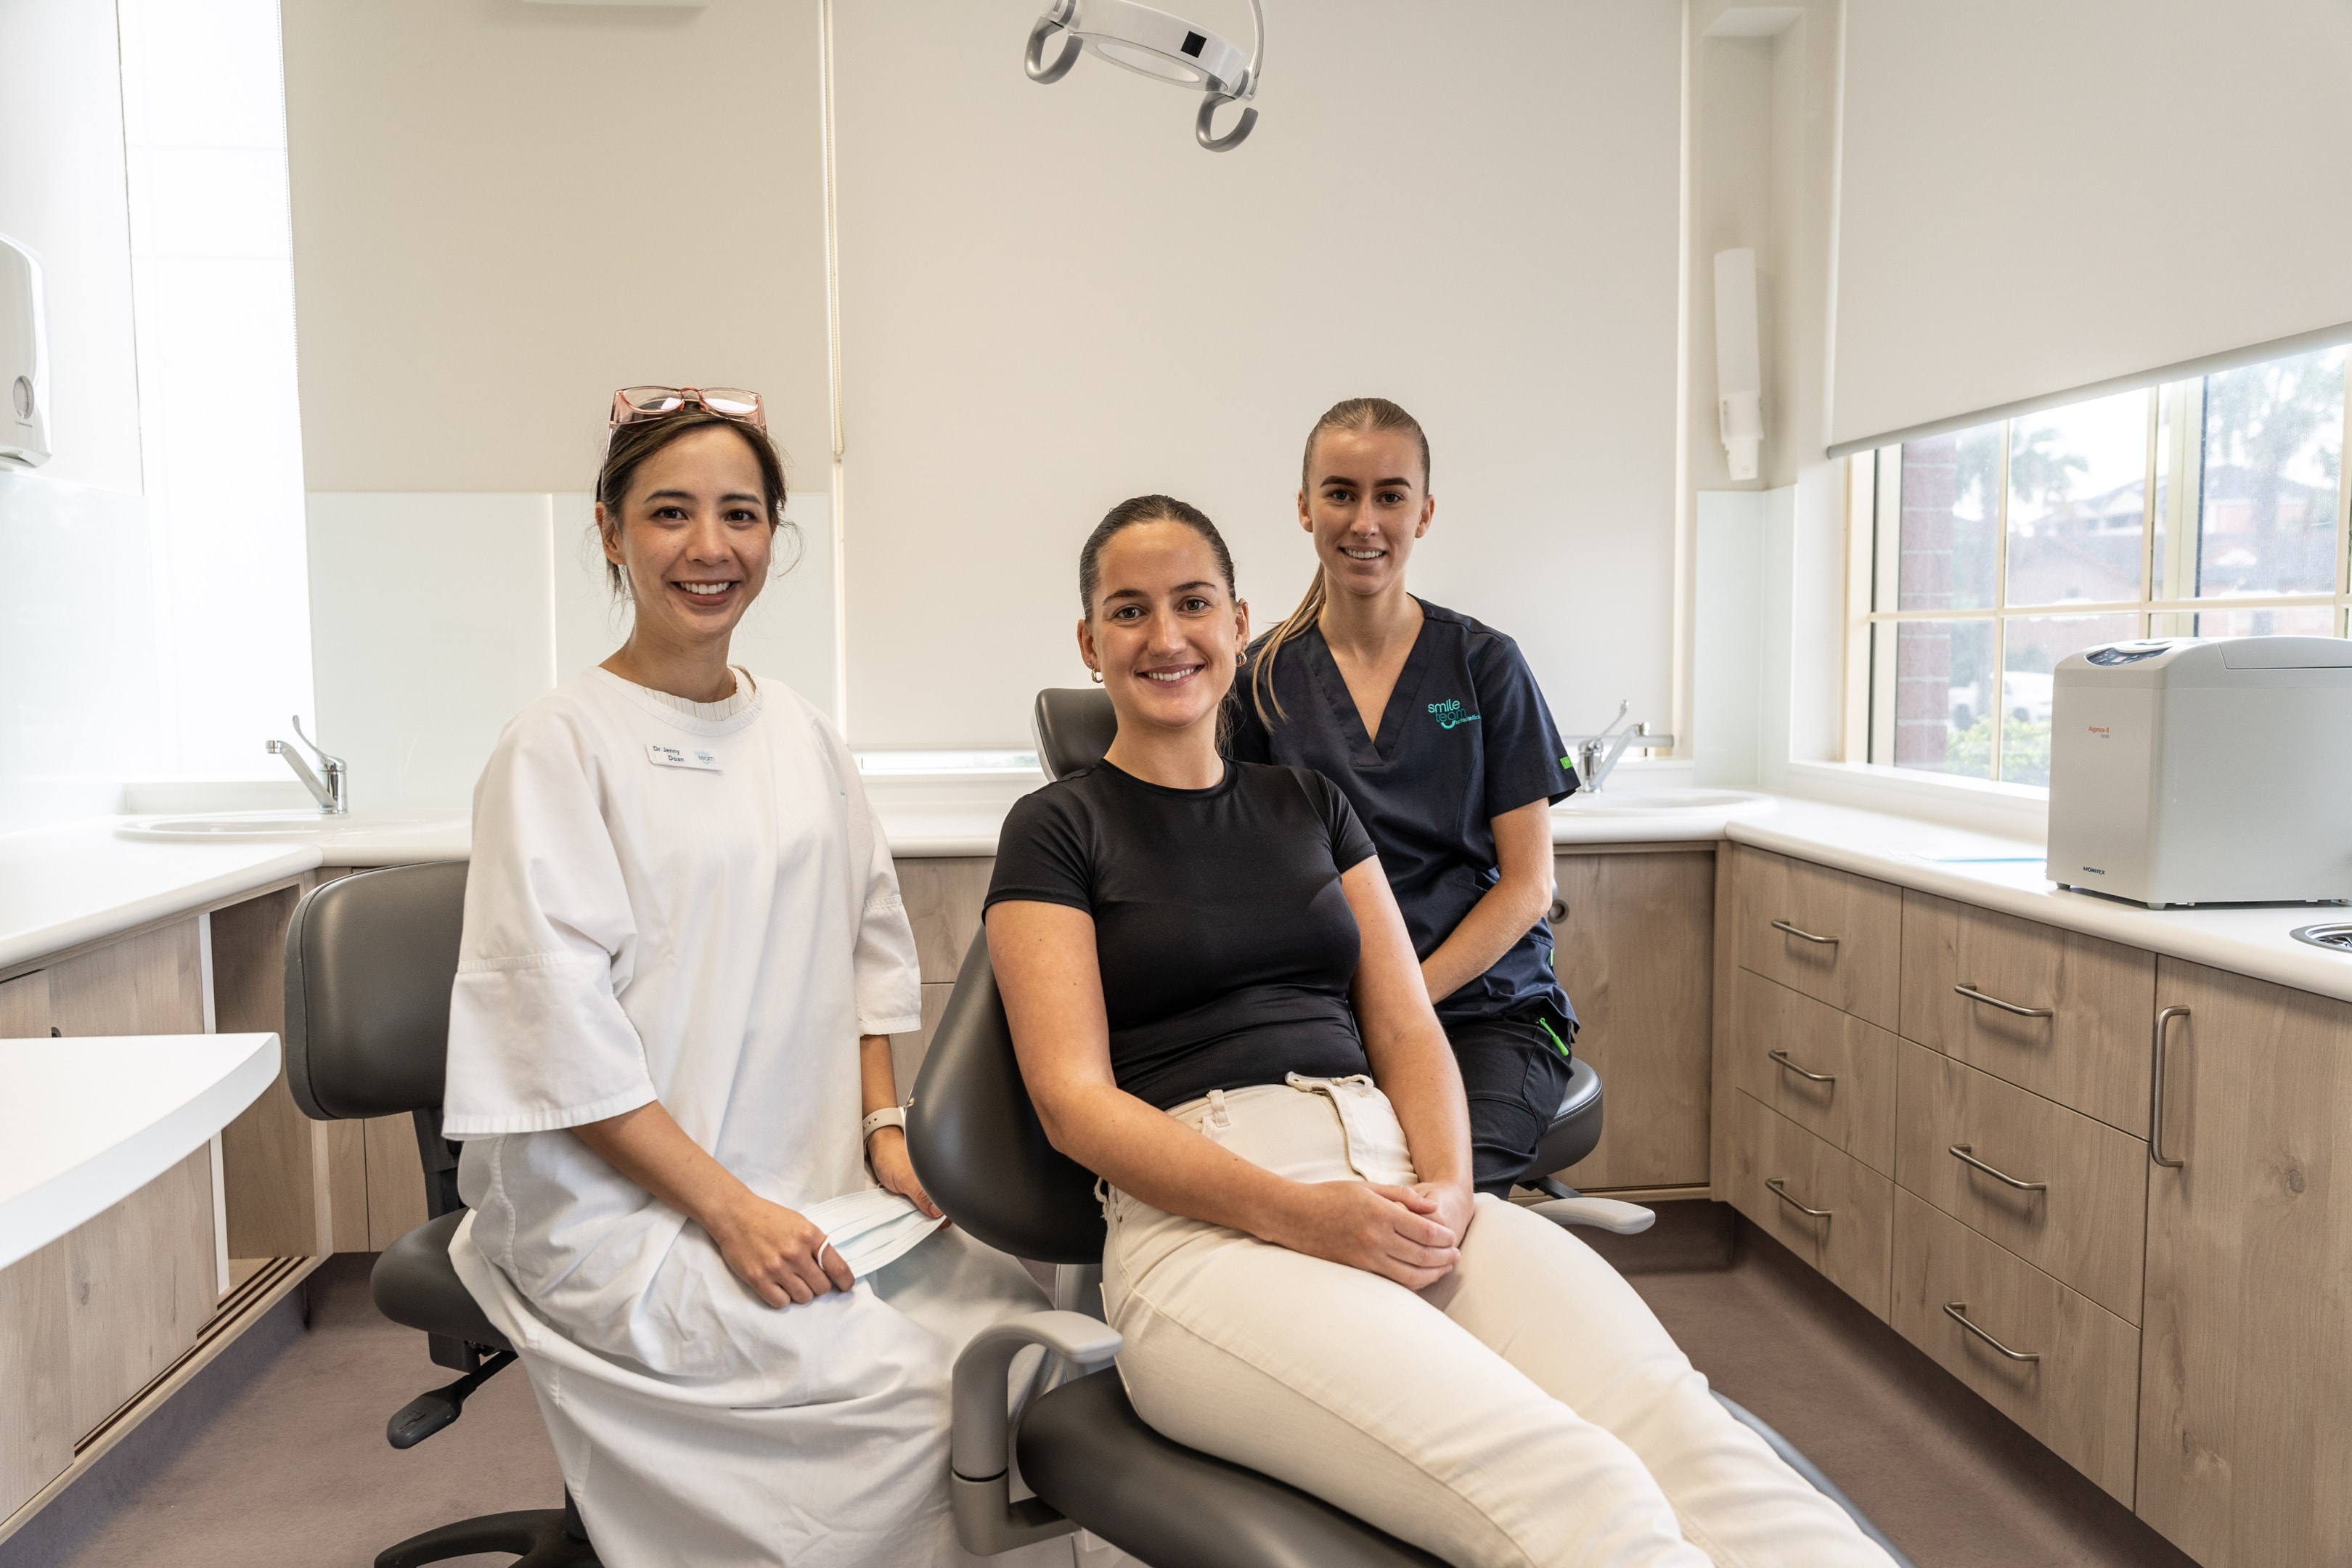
(276,1456)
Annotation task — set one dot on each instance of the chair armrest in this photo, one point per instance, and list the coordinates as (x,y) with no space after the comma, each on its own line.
(987,1520)
(1607,1214)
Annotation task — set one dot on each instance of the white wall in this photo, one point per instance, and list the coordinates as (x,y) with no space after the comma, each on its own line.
(1052,300)
(78,710)
(1767,564)
(62,192)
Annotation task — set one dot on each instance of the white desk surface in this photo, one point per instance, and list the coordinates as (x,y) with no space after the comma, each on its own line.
(83,881)
(86,1121)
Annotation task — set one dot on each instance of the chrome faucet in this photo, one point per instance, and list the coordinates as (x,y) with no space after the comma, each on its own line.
(331,795)
(1597,756)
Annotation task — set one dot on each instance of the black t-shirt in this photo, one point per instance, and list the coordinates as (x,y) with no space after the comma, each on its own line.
(1466,736)
(1227,948)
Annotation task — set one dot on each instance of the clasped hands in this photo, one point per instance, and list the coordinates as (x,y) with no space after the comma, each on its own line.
(1411,1234)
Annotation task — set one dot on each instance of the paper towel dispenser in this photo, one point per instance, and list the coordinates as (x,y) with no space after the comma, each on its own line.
(24,357)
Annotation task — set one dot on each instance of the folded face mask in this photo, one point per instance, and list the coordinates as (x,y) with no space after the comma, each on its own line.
(871,1230)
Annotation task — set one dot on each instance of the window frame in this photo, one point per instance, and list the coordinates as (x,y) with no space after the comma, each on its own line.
(1874,479)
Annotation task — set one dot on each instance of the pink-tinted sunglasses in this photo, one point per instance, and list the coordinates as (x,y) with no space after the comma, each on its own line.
(635,405)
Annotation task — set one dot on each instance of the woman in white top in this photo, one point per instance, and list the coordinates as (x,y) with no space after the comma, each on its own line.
(684,953)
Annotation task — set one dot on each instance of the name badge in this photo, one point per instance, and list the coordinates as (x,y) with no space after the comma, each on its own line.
(663,756)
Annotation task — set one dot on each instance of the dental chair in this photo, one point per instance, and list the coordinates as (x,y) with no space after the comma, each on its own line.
(982,1154)
(369,962)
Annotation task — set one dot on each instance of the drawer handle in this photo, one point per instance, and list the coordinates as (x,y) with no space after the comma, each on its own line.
(1804,935)
(1781,1191)
(1973,994)
(1782,1058)
(1962,1152)
(1557,912)
(2156,1094)
(1959,1312)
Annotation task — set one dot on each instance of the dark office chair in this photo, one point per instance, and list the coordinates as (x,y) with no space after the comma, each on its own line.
(369,962)
(1075,727)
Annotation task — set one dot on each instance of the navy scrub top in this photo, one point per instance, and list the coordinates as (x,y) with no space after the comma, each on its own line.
(1466,736)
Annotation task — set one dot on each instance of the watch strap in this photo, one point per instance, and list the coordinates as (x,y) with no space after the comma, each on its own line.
(888,1116)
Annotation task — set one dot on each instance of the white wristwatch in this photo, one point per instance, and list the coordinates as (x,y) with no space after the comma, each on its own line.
(888,1116)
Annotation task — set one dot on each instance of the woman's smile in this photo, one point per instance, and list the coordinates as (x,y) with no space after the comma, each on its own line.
(1172,674)
(708,595)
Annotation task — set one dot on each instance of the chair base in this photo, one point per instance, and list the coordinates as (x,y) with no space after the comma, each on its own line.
(540,1538)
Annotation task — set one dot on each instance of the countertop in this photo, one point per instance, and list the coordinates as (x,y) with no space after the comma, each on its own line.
(86,1122)
(63,886)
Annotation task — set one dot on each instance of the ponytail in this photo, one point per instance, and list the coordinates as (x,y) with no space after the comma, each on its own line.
(1309,611)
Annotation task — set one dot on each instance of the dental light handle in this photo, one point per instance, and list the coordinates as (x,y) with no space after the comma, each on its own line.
(1056,17)
(1202,131)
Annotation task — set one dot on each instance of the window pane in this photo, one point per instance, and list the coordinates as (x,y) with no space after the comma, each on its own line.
(2273,458)
(2307,621)
(2077,489)
(2031,649)
(1941,671)
(1951,494)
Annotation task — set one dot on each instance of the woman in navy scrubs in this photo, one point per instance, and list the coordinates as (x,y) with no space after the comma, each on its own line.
(1434,727)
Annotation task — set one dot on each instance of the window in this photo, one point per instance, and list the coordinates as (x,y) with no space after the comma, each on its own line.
(2206,508)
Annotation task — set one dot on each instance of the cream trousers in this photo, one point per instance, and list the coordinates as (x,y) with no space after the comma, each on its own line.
(1526,1410)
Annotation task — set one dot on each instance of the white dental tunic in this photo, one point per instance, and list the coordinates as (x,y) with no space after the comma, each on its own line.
(695,905)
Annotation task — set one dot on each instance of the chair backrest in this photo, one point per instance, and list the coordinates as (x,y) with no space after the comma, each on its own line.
(1075,728)
(976,1140)
(369,962)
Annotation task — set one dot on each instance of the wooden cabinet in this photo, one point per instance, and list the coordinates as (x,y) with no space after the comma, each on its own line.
(25,1006)
(2082,1212)
(1633,947)
(2246,1356)
(1824,1206)
(942,897)
(2050,1359)
(2064,1014)
(1829,934)
(1827,1071)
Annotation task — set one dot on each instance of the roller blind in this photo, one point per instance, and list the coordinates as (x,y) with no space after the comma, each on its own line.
(1053,300)
(2039,199)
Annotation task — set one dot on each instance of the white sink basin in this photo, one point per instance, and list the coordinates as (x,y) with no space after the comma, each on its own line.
(1652,801)
(289,826)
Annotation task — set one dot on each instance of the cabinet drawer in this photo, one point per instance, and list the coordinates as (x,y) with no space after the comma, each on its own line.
(2086,1224)
(1855,1110)
(1826,933)
(1778,1170)
(2081,1396)
(2096,1002)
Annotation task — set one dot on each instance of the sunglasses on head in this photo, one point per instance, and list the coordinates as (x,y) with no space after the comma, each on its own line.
(635,405)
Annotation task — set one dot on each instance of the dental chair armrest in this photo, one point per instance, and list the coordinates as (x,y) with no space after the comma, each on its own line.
(1606,1213)
(987,1520)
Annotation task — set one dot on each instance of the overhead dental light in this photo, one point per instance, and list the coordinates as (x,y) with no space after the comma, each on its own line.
(1154,43)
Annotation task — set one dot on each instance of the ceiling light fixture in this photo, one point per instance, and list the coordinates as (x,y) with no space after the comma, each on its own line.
(1167,49)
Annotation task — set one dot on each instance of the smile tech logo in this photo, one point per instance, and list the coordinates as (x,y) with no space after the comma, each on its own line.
(1449,713)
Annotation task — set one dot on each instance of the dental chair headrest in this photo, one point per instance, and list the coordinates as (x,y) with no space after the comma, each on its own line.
(1075,727)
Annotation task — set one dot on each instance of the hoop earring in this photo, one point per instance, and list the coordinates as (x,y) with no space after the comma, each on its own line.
(1097,676)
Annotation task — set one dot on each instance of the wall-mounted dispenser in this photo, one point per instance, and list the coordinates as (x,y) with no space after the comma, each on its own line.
(24,358)
(1738,363)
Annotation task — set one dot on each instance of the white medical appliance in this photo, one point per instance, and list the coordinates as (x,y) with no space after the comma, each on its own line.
(2203,770)
(24,357)
(1150,42)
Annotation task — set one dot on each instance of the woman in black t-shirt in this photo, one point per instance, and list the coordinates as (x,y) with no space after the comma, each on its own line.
(1217,1008)
(1219,1012)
